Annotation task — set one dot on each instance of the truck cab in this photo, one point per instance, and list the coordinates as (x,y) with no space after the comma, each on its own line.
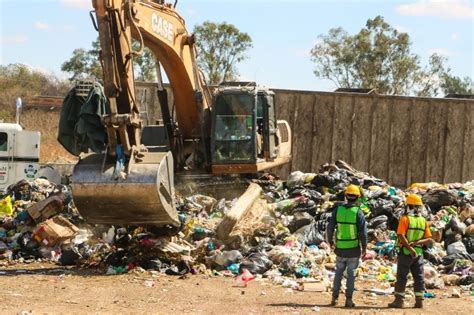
(19,154)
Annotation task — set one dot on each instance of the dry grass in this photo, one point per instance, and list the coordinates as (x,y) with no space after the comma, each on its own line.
(47,123)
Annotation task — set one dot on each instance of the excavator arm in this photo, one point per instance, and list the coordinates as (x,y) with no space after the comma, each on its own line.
(159,27)
(137,187)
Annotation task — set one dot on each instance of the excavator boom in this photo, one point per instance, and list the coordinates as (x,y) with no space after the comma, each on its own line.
(132,181)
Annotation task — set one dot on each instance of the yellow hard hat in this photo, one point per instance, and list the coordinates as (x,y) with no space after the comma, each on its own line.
(352,190)
(414,200)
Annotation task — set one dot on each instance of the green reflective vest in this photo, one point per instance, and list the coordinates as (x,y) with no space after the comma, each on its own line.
(347,234)
(415,232)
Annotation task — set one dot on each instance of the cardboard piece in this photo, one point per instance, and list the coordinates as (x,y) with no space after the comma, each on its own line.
(47,208)
(55,231)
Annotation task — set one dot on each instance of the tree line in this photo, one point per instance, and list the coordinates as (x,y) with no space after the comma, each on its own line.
(377,57)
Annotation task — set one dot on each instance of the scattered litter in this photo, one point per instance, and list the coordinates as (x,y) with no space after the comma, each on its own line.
(149,283)
(277,233)
(316,308)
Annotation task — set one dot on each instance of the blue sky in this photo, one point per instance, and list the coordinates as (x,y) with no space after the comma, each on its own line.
(44,33)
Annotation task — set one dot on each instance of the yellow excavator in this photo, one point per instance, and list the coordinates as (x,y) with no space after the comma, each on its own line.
(233,131)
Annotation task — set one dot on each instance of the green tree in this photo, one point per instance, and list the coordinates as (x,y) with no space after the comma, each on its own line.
(82,62)
(221,46)
(144,64)
(456,85)
(19,80)
(437,79)
(86,62)
(379,57)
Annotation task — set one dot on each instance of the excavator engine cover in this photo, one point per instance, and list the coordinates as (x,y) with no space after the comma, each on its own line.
(145,197)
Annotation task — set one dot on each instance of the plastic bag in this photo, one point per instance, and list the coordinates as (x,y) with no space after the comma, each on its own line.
(299,178)
(310,234)
(6,207)
(300,220)
(377,222)
(224,259)
(469,243)
(457,226)
(456,248)
(438,198)
(256,263)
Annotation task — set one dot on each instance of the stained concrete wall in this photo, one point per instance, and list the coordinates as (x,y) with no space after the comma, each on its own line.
(400,139)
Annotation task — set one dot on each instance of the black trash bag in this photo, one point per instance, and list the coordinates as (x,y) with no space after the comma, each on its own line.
(456,226)
(20,190)
(448,239)
(310,208)
(376,194)
(29,248)
(314,195)
(179,270)
(310,235)
(372,181)
(256,263)
(396,199)
(469,243)
(467,280)
(432,258)
(322,221)
(69,257)
(377,222)
(152,264)
(380,206)
(300,219)
(438,198)
(321,180)
(450,259)
(117,259)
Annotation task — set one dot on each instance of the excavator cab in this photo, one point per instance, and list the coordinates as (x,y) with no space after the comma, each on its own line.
(245,136)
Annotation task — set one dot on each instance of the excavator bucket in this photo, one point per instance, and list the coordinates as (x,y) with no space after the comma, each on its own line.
(145,197)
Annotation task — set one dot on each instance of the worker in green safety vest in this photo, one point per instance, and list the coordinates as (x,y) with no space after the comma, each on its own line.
(413,232)
(350,241)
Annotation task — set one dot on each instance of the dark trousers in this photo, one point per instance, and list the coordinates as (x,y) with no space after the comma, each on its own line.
(406,264)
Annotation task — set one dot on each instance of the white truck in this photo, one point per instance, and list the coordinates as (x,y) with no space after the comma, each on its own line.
(19,154)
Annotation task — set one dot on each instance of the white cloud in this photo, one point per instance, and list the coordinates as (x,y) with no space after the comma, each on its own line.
(442,52)
(77,4)
(446,9)
(455,36)
(14,39)
(402,29)
(42,26)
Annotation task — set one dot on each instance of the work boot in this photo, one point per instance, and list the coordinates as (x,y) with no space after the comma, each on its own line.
(334,301)
(418,302)
(397,303)
(349,303)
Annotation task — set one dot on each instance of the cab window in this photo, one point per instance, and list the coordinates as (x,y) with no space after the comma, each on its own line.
(3,141)
(234,128)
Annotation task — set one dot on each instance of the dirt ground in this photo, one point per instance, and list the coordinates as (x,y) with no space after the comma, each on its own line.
(46,288)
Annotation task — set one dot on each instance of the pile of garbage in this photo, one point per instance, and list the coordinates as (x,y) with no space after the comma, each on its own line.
(276,230)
